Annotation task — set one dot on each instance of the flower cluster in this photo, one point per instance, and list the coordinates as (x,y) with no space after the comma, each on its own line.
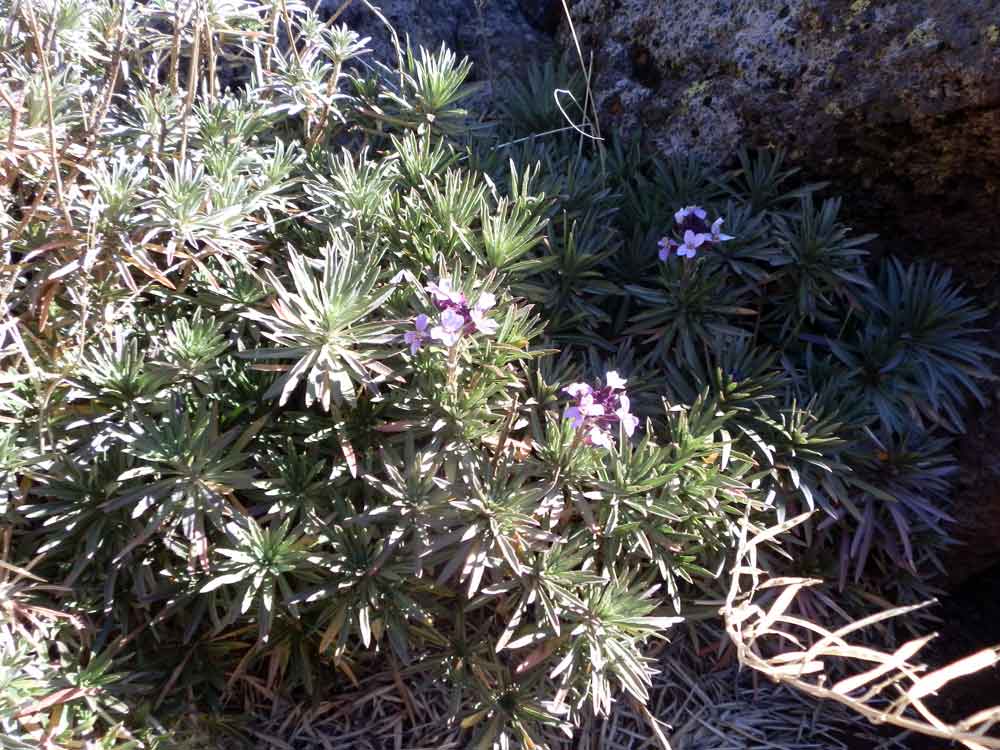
(457,317)
(596,412)
(692,224)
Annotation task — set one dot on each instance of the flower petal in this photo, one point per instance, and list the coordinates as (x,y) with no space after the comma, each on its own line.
(615,381)
(578,389)
(452,321)
(486,301)
(694,239)
(599,437)
(486,325)
(446,337)
(629,422)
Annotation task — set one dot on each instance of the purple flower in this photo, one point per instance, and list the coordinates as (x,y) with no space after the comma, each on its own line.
(486,301)
(597,412)
(478,314)
(692,224)
(629,420)
(688,211)
(416,337)
(457,318)
(717,235)
(444,295)
(666,246)
(578,390)
(585,409)
(482,323)
(597,436)
(450,329)
(692,241)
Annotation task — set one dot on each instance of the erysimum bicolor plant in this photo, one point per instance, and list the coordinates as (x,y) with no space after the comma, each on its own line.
(334,401)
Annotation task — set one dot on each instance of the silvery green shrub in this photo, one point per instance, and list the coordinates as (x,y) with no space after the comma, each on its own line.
(313,383)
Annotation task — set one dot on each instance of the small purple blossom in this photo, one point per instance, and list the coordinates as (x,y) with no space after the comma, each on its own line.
(486,301)
(444,296)
(717,235)
(667,246)
(482,323)
(690,211)
(578,390)
(450,329)
(692,241)
(615,381)
(457,317)
(595,412)
(419,335)
(478,314)
(629,420)
(692,224)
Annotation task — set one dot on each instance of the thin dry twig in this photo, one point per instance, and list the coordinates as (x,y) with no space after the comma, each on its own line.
(16,108)
(400,60)
(883,687)
(589,101)
(192,86)
(93,127)
(29,15)
(213,82)
(337,13)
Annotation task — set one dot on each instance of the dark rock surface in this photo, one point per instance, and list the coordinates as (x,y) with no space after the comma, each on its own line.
(544,15)
(500,37)
(898,102)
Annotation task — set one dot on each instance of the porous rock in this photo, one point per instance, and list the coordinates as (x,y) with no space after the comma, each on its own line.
(898,102)
(498,36)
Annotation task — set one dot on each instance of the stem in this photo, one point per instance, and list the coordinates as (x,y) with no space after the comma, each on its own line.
(453,369)
(274,39)
(293,37)
(15,120)
(192,84)
(101,111)
(331,89)
(213,83)
(53,153)
(336,15)
(175,51)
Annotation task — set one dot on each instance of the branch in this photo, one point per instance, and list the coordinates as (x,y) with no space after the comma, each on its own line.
(884,687)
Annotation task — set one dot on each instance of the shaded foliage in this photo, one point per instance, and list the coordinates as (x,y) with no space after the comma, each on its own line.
(288,346)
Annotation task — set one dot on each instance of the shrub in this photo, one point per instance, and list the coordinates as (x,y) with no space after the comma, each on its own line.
(313,386)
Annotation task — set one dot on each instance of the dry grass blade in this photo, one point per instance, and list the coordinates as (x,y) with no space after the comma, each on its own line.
(43,61)
(884,687)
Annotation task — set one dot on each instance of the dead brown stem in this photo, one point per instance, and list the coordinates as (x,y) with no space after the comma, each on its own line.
(29,15)
(192,86)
